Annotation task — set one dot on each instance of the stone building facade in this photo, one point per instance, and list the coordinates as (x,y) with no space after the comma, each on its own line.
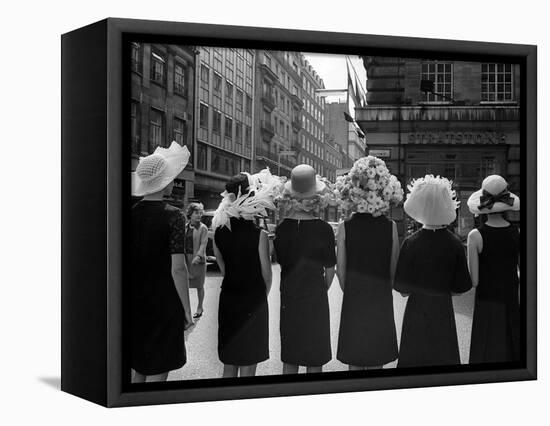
(162,105)
(466,128)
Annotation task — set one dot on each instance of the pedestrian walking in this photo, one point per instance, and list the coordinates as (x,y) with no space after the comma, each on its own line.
(242,252)
(159,293)
(305,249)
(431,268)
(493,259)
(196,238)
(368,248)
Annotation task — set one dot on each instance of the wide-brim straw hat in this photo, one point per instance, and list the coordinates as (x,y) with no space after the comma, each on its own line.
(156,171)
(431,201)
(493,197)
(304,182)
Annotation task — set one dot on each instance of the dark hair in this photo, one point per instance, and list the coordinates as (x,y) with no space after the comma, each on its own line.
(192,208)
(239,181)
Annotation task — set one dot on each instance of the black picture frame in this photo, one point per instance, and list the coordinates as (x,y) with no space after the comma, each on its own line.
(95,194)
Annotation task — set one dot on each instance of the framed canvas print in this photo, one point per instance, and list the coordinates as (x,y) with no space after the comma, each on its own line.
(254,212)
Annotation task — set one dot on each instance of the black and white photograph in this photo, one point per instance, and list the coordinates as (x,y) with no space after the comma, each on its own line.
(275,213)
(309,213)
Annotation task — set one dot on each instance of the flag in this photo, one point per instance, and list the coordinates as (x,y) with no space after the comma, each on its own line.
(352,96)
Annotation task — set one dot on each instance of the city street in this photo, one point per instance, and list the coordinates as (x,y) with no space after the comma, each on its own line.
(201,341)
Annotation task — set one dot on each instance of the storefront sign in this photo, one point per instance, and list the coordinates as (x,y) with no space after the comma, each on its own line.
(380,153)
(457,138)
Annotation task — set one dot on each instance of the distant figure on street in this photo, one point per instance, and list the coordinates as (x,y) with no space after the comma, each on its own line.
(158,288)
(196,238)
(368,248)
(242,253)
(493,258)
(305,249)
(431,268)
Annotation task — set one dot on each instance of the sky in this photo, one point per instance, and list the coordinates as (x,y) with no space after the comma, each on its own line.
(332,69)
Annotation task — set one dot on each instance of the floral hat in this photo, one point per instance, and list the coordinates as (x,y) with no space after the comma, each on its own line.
(431,201)
(493,197)
(369,187)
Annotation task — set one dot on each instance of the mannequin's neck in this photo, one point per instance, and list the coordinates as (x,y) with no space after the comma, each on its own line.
(496,219)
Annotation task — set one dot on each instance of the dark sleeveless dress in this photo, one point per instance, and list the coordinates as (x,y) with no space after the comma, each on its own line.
(496,324)
(431,266)
(304,248)
(243,326)
(155,309)
(367,327)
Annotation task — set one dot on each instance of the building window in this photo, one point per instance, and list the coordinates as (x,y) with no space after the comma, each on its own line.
(239,100)
(496,82)
(248,106)
(248,136)
(228,127)
(217,85)
(156,129)
(136,57)
(441,75)
(158,68)
(179,131)
(205,76)
(203,116)
(238,133)
(267,60)
(224,163)
(135,118)
(201,156)
(216,122)
(180,79)
(228,92)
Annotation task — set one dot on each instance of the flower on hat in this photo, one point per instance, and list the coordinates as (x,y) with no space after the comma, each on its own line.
(369,187)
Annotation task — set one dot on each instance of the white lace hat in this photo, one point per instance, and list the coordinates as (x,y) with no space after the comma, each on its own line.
(431,201)
(493,197)
(156,171)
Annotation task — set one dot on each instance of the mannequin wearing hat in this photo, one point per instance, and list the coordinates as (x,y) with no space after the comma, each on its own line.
(305,249)
(368,248)
(431,268)
(242,252)
(159,310)
(493,260)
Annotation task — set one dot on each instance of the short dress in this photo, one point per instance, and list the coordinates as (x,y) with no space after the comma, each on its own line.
(194,239)
(155,309)
(432,265)
(243,317)
(304,248)
(367,328)
(496,324)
